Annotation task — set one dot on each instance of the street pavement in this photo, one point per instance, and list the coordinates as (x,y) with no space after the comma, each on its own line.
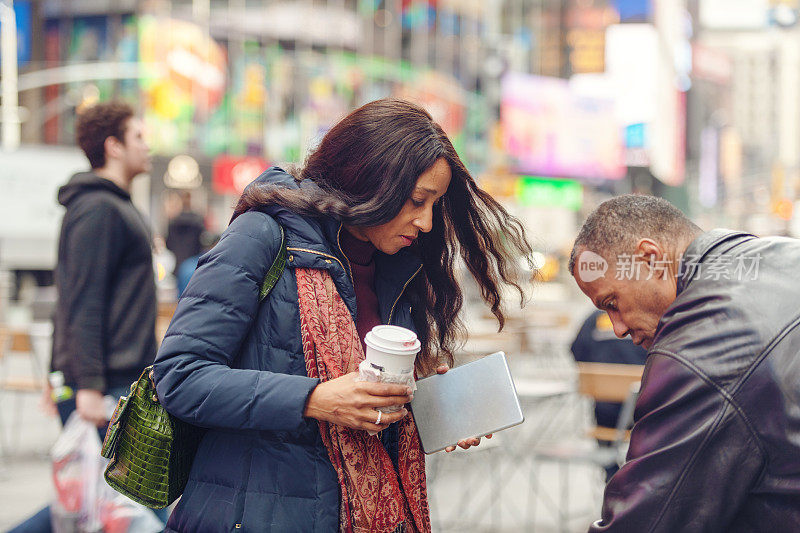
(496,487)
(27,435)
(489,489)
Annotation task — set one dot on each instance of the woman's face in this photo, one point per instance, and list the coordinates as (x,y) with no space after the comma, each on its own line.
(416,215)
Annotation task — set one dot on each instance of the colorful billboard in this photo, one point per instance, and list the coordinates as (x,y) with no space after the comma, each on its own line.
(185,81)
(549,130)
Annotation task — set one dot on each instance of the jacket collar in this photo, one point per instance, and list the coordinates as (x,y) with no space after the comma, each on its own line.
(315,234)
(392,274)
(309,238)
(698,250)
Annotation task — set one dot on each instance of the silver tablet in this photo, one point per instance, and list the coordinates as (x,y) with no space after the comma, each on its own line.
(468,401)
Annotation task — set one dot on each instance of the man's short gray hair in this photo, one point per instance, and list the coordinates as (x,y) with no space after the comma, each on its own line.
(619,223)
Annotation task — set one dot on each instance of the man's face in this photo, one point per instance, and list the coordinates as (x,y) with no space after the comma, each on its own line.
(634,305)
(135,153)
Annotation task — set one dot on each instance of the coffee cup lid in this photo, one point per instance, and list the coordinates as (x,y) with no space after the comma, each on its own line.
(393,339)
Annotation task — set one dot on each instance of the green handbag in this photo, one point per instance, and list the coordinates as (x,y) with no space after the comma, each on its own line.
(151,451)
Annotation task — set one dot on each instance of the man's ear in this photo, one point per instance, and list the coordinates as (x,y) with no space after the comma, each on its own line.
(112,147)
(650,252)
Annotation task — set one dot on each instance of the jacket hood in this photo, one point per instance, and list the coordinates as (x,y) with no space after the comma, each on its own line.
(84,182)
(302,231)
(321,234)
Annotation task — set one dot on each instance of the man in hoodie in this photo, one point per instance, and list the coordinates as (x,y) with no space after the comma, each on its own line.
(105,317)
(104,324)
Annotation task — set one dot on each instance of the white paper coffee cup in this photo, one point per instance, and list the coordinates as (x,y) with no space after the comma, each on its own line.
(392,349)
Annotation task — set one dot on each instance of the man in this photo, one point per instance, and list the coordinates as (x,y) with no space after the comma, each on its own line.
(105,317)
(104,323)
(185,231)
(716,443)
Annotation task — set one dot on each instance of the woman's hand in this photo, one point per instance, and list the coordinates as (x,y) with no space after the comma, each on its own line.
(466,443)
(347,402)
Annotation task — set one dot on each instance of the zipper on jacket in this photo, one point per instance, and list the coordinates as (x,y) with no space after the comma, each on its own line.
(391,312)
(239,502)
(315,252)
(349,268)
(323,254)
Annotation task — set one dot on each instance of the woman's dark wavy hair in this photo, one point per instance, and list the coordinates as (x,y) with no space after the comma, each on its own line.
(366,167)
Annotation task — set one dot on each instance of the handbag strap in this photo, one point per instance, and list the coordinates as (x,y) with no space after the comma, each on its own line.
(275,271)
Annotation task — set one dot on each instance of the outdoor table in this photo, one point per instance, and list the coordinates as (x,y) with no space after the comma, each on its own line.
(505,455)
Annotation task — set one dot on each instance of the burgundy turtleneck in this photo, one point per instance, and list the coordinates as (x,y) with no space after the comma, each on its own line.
(361,255)
(362,263)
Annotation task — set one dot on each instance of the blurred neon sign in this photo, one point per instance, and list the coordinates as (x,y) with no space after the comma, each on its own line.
(550,130)
(546,192)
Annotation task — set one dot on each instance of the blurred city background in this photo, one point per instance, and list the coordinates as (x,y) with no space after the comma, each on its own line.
(554,105)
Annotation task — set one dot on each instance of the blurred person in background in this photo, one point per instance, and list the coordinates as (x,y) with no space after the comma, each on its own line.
(716,441)
(596,343)
(184,271)
(104,323)
(184,231)
(374,222)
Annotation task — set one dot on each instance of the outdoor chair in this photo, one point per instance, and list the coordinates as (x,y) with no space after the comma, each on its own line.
(16,343)
(602,382)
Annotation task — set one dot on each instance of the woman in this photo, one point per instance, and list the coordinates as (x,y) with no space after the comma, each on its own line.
(373,224)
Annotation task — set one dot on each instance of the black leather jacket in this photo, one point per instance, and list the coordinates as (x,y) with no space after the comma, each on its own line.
(716,444)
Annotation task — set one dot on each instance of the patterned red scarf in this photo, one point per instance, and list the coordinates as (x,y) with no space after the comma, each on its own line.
(373,499)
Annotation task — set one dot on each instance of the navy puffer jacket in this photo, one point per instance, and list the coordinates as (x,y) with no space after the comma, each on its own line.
(236,366)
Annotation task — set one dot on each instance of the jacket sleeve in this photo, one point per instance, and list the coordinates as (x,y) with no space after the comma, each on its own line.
(93,250)
(692,458)
(193,374)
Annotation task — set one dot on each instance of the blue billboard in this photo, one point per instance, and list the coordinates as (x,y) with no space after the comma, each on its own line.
(22,11)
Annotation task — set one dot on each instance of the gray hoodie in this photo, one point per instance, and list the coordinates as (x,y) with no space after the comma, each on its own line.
(105,316)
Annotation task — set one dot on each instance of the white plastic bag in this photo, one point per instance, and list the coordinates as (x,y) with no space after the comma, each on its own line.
(84,503)
(367,372)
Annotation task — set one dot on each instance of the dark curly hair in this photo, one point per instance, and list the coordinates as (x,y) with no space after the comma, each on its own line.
(366,168)
(96,124)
